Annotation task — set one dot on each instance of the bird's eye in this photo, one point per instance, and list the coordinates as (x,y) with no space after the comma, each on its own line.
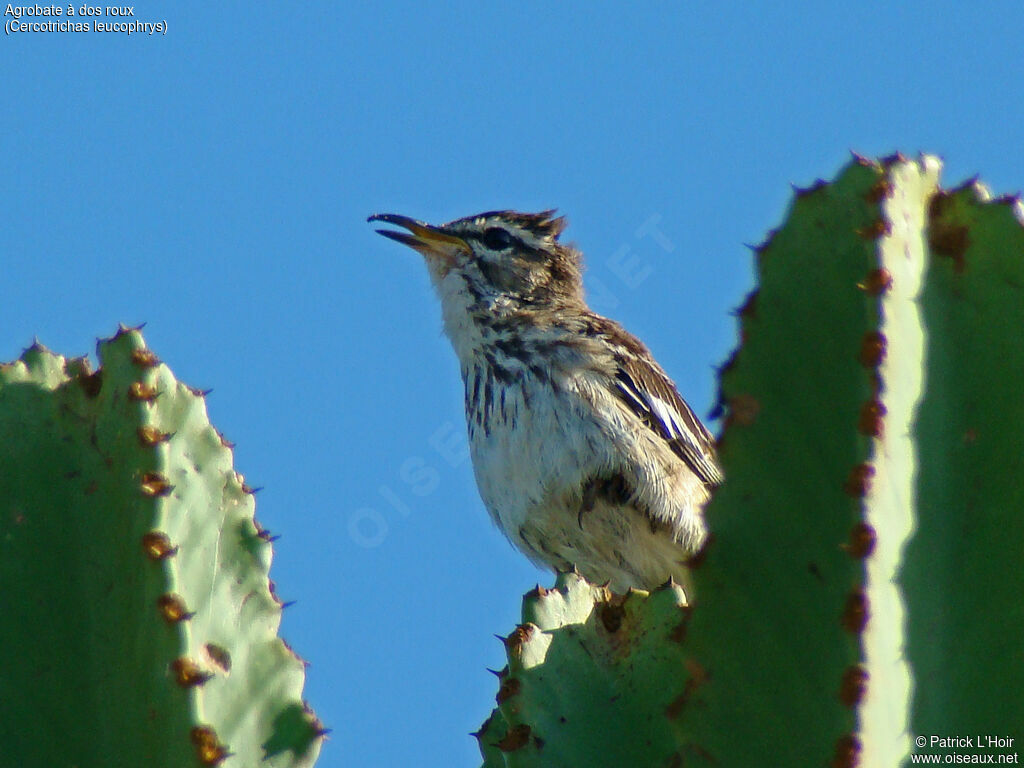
(497,239)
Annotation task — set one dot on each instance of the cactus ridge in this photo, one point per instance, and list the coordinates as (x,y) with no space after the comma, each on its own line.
(861,582)
(582,657)
(138,602)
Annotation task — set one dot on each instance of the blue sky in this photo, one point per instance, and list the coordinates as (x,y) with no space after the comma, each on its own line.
(214,183)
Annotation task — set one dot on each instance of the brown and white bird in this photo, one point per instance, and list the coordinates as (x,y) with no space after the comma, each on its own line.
(583,450)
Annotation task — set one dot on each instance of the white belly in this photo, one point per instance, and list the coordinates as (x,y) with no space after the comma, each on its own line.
(536,450)
(527,446)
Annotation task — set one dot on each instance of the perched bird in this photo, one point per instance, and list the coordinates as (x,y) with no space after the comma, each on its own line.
(583,450)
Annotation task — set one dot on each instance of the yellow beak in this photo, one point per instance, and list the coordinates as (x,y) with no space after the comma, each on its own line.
(425,238)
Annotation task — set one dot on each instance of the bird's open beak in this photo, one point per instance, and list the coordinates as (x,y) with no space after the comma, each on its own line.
(425,238)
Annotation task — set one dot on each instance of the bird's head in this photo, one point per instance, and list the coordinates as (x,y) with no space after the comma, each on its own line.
(499,257)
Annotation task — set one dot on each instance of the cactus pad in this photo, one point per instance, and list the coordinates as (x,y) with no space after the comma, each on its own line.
(139,622)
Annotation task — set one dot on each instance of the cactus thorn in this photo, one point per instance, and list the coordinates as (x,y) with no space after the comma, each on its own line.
(966,186)
(37,346)
(155,484)
(510,686)
(537,592)
(173,609)
(862,541)
(138,390)
(855,612)
(145,358)
(263,533)
(802,192)
(317,727)
(847,752)
(517,737)
(860,159)
(858,482)
(877,282)
(157,545)
(187,673)
(150,436)
(208,747)
(853,685)
(873,349)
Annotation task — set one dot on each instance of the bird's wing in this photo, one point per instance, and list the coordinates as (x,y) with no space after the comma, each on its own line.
(652,396)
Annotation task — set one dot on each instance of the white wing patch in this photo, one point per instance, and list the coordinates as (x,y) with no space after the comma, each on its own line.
(673,419)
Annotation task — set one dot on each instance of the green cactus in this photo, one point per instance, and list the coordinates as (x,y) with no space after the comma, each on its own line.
(962,567)
(582,662)
(862,585)
(139,625)
(777,613)
(879,615)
